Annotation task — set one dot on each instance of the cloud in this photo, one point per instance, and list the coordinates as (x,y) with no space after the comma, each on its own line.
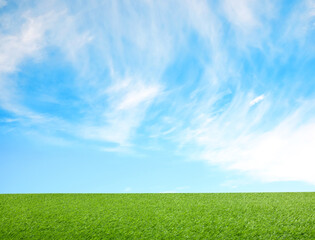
(113,149)
(15,47)
(127,103)
(256,100)
(9,120)
(249,21)
(241,13)
(130,94)
(26,43)
(283,153)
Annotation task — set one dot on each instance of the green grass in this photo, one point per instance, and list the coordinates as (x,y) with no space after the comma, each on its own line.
(158,216)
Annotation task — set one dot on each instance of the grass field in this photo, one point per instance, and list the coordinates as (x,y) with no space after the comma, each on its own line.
(158,216)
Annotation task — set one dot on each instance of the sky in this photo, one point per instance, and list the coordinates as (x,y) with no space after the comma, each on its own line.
(157,96)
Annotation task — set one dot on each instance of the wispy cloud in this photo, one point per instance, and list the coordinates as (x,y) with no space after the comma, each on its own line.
(284,153)
(242,14)
(9,120)
(256,100)
(127,104)
(25,41)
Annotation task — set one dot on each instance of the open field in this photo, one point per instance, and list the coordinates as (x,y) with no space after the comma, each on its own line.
(158,216)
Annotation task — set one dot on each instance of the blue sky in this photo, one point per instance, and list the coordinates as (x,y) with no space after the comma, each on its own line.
(157,96)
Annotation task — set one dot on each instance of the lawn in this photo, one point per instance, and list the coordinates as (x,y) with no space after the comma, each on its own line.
(158,216)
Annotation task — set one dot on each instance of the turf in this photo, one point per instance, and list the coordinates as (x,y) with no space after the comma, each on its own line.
(158,216)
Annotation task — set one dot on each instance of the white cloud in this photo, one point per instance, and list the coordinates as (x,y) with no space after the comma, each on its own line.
(250,21)
(118,132)
(118,149)
(257,100)
(133,99)
(130,94)
(27,34)
(201,17)
(14,48)
(241,13)
(9,120)
(128,101)
(285,153)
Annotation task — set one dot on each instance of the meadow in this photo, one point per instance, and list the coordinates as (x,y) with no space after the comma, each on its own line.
(158,216)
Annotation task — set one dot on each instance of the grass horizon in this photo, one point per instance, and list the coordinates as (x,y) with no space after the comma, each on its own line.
(158,216)
(21,193)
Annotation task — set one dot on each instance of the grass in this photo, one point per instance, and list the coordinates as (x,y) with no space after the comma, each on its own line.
(158,216)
